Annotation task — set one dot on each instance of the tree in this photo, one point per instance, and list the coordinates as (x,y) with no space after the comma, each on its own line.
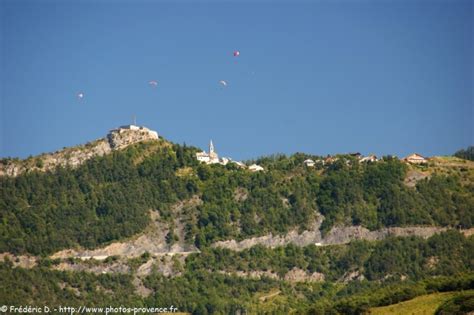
(467,154)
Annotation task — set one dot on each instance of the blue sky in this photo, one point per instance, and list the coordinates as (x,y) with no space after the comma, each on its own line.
(322,77)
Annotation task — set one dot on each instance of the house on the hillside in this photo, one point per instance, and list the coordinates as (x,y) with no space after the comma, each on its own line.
(369,158)
(357,155)
(255,168)
(329,159)
(224,160)
(240,164)
(415,158)
(309,163)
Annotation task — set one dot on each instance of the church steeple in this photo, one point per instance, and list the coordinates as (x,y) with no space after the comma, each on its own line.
(211,148)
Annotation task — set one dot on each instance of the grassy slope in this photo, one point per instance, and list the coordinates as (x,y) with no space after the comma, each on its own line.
(422,305)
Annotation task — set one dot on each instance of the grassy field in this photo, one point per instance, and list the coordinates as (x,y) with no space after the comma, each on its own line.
(422,305)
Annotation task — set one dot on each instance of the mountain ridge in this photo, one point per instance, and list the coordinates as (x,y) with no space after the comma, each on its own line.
(116,139)
(164,228)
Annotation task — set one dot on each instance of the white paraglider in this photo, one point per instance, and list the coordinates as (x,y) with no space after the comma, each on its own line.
(153,83)
(80,95)
(223,83)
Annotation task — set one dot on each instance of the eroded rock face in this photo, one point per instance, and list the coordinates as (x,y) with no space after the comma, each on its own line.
(69,157)
(116,267)
(293,237)
(22,261)
(299,275)
(117,139)
(123,137)
(152,240)
(294,275)
(414,176)
(337,235)
(351,276)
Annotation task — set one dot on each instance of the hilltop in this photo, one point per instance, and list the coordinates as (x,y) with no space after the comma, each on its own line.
(139,215)
(116,139)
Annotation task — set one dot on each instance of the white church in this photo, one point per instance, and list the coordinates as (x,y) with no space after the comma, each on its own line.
(212,157)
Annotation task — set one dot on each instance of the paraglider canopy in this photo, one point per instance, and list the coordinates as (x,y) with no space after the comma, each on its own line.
(236,53)
(223,83)
(153,83)
(80,95)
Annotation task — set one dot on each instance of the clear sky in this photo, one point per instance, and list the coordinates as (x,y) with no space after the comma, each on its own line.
(322,77)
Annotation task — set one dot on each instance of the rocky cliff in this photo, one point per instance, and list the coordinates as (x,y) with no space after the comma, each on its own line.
(337,235)
(117,139)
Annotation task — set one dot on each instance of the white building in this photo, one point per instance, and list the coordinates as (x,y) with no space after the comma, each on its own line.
(255,168)
(309,163)
(369,158)
(224,161)
(213,158)
(209,158)
(240,164)
(153,134)
(415,158)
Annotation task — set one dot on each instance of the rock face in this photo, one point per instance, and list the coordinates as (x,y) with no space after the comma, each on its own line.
(117,139)
(124,136)
(337,235)
(22,261)
(299,275)
(342,235)
(293,237)
(414,176)
(153,241)
(294,275)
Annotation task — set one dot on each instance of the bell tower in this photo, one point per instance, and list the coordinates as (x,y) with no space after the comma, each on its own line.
(212,153)
(211,148)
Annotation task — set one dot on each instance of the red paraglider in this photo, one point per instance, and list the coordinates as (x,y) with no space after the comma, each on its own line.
(236,53)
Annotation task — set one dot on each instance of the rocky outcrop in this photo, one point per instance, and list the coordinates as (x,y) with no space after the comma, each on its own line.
(343,235)
(294,275)
(152,241)
(69,157)
(253,274)
(117,139)
(351,276)
(22,261)
(413,176)
(116,267)
(299,275)
(293,237)
(124,136)
(337,235)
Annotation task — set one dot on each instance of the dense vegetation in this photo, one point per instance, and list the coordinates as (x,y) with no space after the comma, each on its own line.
(105,199)
(412,257)
(462,304)
(108,198)
(202,290)
(467,154)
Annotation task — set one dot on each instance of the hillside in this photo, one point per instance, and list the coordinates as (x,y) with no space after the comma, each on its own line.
(426,304)
(144,217)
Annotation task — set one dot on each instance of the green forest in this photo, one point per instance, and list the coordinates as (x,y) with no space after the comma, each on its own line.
(109,198)
(200,289)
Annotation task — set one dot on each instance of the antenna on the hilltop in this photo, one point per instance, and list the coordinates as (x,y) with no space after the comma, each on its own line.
(134,120)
